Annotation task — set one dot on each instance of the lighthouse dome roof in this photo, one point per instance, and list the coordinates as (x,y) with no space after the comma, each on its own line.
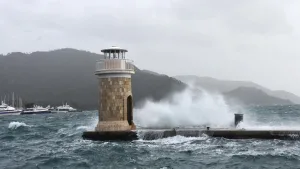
(113,48)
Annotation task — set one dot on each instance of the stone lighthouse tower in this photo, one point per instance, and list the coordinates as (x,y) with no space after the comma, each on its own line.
(115,92)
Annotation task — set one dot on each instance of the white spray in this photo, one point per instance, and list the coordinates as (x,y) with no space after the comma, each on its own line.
(187,108)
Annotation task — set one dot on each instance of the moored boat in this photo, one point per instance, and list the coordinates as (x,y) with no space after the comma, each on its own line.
(65,108)
(50,108)
(36,110)
(8,110)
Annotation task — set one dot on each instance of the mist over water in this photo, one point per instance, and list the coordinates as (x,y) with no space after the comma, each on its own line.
(195,107)
(271,118)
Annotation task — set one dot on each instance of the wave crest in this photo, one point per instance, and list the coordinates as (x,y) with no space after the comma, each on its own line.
(16,124)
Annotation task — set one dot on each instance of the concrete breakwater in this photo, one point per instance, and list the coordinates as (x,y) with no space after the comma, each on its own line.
(152,134)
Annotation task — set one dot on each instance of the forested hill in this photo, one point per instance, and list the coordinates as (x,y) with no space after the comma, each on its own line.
(67,75)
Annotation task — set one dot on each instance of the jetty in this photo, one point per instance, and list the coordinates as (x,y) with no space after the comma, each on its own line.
(152,134)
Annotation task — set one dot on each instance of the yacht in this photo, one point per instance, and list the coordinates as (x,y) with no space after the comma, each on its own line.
(36,110)
(50,108)
(65,108)
(8,110)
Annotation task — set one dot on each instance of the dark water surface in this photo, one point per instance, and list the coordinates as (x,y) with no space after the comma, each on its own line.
(54,141)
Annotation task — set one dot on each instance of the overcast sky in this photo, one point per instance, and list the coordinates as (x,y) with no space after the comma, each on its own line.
(254,40)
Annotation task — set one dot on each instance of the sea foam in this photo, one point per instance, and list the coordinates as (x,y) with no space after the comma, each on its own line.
(83,128)
(16,124)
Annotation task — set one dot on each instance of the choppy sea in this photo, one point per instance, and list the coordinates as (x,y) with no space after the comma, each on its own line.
(54,141)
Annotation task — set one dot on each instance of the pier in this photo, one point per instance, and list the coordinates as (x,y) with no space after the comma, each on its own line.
(152,134)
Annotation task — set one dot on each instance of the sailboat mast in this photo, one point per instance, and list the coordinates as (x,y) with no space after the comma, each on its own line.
(13,99)
(21,103)
(17,101)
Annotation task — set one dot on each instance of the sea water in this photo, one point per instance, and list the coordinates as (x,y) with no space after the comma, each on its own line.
(54,140)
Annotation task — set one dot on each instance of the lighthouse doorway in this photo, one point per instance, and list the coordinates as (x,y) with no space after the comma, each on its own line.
(129,110)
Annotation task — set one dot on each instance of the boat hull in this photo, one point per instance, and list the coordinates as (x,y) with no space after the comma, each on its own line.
(10,112)
(60,111)
(35,112)
(65,111)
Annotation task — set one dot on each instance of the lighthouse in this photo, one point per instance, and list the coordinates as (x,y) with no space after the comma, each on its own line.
(115,92)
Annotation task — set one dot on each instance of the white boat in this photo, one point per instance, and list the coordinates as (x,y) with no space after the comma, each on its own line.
(65,108)
(50,108)
(8,110)
(36,110)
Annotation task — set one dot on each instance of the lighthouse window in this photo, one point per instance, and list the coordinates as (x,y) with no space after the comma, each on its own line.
(114,54)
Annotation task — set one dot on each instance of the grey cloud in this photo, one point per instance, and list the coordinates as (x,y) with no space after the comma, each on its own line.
(241,40)
(244,16)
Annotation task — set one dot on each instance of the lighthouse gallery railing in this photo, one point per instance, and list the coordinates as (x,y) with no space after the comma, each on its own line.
(114,64)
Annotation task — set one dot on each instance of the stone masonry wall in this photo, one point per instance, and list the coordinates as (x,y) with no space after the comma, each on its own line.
(113,93)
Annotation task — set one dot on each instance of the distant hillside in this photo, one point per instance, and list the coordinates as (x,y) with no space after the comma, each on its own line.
(285,95)
(68,75)
(216,85)
(151,72)
(221,86)
(253,96)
